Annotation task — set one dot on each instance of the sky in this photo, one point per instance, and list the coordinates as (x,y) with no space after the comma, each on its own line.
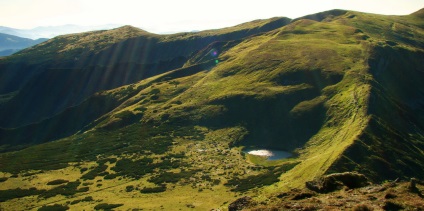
(162,16)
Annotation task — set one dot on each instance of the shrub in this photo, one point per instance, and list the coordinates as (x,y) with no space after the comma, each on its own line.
(155,91)
(140,109)
(158,189)
(57,182)
(134,169)
(56,207)
(167,164)
(2,179)
(129,188)
(105,206)
(94,172)
(104,161)
(86,199)
(178,102)
(66,190)
(110,176)
(83,189)
(18,193)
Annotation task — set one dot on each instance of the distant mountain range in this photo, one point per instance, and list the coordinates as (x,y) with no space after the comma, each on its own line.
(10,44)
(52,31)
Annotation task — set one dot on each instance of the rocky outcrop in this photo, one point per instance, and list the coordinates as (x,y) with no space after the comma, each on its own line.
(337,181)
(240,203)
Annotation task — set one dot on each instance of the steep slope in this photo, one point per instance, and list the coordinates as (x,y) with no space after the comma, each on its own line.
(340,90)
(385,133)
(91,62)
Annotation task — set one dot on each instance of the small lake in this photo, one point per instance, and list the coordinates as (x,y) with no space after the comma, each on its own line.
(271,154)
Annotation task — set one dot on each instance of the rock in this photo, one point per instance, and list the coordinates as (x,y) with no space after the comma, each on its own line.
(389,205)
(412,186)
(337,181)
(390,196)
(303,195)
(240,203)
(281,195)
(190,206)
(363,207)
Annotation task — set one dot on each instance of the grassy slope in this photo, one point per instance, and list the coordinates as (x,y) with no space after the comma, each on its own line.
(371,149)
(67,47)
(90,62)
(285,79)
(391,144)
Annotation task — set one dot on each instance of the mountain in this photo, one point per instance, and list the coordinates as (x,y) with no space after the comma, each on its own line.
(128,119)
(94,61)
(10,44)
(8,52)
(53,31)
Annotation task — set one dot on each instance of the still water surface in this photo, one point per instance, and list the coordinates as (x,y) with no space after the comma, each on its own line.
(271,154)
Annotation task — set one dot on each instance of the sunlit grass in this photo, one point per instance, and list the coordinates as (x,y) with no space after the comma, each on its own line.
(178,135)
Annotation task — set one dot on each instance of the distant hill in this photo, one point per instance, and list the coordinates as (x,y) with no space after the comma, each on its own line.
(8,52)
(53,31)
(419,13)
(10,44)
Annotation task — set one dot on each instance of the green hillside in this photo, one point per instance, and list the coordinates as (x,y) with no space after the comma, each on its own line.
(86,63)
(340,90)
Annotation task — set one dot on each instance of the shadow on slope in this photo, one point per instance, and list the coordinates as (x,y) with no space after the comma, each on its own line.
(392,145)
(85,116)
(283,121)
(68,69)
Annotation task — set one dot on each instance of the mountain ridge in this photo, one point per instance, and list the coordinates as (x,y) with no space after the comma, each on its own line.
(131,52)
(339,92)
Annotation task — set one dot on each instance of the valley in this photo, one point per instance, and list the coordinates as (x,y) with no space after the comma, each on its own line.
(129,120)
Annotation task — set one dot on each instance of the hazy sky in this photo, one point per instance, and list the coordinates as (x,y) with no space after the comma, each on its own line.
(179,15)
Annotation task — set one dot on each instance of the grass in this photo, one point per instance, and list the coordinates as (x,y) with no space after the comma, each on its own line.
(83,43)
(307,87)
(250,182)
(170,177)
